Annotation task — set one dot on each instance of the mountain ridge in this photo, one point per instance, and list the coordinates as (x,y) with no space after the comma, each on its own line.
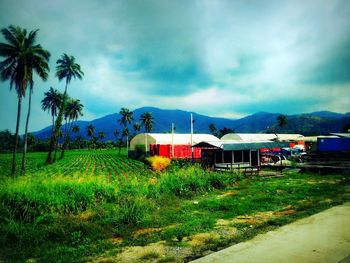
(306,123)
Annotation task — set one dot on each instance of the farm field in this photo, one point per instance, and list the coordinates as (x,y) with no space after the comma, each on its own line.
(99,206)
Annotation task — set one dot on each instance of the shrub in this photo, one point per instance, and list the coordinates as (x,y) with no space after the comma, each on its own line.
(158,163)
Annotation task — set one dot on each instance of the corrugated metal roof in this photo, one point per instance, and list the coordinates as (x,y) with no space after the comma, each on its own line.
(261,137)
(166,138)
(346,135)
(238,145)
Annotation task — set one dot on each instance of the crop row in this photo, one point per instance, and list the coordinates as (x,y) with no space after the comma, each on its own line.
(83,163)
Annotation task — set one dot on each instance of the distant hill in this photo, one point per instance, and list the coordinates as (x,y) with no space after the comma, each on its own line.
(321,122)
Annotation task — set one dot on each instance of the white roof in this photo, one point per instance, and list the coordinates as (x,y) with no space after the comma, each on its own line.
(179,138)
(260,137)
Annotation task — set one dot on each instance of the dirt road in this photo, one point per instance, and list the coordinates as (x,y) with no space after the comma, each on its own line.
(321,238)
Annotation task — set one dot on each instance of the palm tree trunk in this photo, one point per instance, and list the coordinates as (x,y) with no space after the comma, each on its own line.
(13,170)
(58,124)
(23,168)
(66,138)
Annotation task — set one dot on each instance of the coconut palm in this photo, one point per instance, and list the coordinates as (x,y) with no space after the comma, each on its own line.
(147,121)
(125,134)
(22,58)
(75,129)
(101,136)
(73,110)
(127,118)
(51,102)
(90,130)
(281,120)
(137,127)
(66,69)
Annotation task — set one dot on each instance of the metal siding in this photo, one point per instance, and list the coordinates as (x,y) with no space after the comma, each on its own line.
(333,144)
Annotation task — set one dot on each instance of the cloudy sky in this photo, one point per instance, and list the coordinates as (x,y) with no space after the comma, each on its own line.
(219,58)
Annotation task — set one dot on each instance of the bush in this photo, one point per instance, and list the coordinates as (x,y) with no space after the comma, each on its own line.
(158,163)
(186,182)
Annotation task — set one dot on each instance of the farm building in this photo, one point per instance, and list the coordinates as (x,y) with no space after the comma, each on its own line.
(261,137)
(169,145)
(234,154)
(293,139)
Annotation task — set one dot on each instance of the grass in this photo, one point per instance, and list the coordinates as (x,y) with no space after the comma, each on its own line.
(101,206)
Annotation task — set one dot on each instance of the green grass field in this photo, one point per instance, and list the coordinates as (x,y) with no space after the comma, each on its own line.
(103,207)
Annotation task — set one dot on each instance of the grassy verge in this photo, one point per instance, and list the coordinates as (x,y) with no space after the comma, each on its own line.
(178,215)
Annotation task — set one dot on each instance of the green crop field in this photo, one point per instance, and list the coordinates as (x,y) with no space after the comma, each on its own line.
(108,163)
(99,206)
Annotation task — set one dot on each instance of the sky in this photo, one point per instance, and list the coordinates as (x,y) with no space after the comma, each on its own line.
(217,58)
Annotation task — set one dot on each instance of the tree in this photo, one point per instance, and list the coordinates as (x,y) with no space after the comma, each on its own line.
(74,109)
(75,129)
(137,127)
(125,134)
(22,58)
(147,121)
(90,130)
(213,130)
(225,131)
(281,120)
(66,69)
(51,102)
(101,135)
(127,118)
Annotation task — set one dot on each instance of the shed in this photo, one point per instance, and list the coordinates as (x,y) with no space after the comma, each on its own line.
(234,154)
(169,145)
(333,144)
(261,137)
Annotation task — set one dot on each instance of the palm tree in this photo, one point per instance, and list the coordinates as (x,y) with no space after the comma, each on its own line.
(147,121)
(213,129)
(101,136)
(22,58)
(125,134)
(74,109)
(66,69)
(127,118)
(137,127)
(75,129)
(51,102)
(90,130)
(281,120)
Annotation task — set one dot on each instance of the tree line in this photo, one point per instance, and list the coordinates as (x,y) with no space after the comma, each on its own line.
(23,59)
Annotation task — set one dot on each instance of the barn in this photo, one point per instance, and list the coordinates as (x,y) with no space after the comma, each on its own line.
(169,145)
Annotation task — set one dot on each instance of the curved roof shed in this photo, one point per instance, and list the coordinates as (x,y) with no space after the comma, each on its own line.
(166,138)
(261,137)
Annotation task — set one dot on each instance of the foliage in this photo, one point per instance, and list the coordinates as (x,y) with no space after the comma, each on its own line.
(79,207)
(158,163)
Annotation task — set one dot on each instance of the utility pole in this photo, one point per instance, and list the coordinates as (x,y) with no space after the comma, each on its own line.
(192,137)
(172,139)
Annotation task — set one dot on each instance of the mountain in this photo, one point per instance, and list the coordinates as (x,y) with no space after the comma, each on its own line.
(321,122)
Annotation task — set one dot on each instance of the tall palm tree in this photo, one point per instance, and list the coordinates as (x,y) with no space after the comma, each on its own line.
(73,110)
(90,130)
(75,129)
(137,127)
(66,69)
(147,121)
(127,118)
(101,136)
(51,102)
(22,58)
(125,134)
(281,120)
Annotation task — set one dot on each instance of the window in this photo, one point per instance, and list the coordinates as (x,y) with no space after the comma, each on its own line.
(246,156)
(218,157)
(237,156)
(227,156)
